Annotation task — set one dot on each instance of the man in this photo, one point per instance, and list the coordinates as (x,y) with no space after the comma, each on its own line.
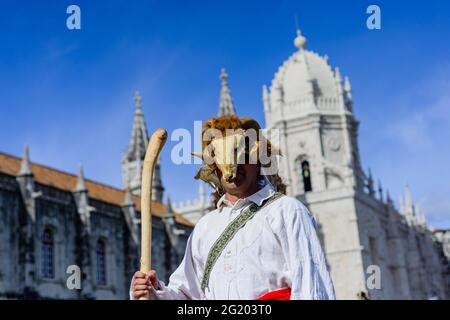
(257,244)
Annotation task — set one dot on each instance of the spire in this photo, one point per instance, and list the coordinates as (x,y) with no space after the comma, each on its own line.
(423,219)
(300,40)
(338,80)
(266,100)
(370,187)
(138,102)
(27,186)
(409,210)
(402,204)
(347,87)
(81,184)
(420,216)
(133,158)
(139,134)
(408,201)
(128,199)
(380,190)
(169,209)
(82,201)
(129,211)
(389,199)
(226,105)
(169,224)
(25,166)
(157,186)
(348,94)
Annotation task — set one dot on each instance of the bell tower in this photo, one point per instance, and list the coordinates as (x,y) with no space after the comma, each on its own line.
(309,116)
(133,159)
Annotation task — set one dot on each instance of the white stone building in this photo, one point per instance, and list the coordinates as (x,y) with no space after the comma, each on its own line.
(311,107)
(193,210)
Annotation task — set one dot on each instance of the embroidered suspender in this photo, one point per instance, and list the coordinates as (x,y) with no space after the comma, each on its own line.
(228,234)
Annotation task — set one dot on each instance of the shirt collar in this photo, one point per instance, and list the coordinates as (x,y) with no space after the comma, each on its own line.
(256,198)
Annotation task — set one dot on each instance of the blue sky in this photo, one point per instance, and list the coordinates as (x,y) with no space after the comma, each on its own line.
(69,94)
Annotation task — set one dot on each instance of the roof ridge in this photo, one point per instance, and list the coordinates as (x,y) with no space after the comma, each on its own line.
(62,171)
(107,195)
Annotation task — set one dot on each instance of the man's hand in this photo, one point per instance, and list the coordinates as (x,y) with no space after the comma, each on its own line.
(143,283)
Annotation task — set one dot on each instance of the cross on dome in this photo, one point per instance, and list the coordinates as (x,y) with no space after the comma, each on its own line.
(137,100)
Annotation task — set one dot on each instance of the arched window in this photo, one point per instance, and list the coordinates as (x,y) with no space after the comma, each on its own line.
(306,174)
(100,253)
(47,254)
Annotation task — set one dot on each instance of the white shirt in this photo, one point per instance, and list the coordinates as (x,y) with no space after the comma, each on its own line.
(277,248)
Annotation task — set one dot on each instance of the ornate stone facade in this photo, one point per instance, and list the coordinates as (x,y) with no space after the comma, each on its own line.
(193,210)
(311,108)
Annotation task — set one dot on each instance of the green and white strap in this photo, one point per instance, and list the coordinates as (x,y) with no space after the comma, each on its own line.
(228,234)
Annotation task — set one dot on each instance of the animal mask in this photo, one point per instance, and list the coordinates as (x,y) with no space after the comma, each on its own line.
(227,142)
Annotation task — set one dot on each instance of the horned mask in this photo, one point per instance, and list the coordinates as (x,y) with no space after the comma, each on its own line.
(228,141)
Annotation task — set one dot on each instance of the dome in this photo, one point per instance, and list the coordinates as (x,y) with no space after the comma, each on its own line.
(304,75)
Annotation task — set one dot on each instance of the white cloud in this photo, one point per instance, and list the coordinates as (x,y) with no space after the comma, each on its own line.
(425,120)
(419,133)
(436,206)
(412,131)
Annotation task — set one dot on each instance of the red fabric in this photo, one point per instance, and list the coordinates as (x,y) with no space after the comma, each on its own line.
(281,294)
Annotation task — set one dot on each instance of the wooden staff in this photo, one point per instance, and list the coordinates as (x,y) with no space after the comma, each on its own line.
(154,147)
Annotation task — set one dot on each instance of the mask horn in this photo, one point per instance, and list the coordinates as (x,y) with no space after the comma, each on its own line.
(249,123)
(197,154)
